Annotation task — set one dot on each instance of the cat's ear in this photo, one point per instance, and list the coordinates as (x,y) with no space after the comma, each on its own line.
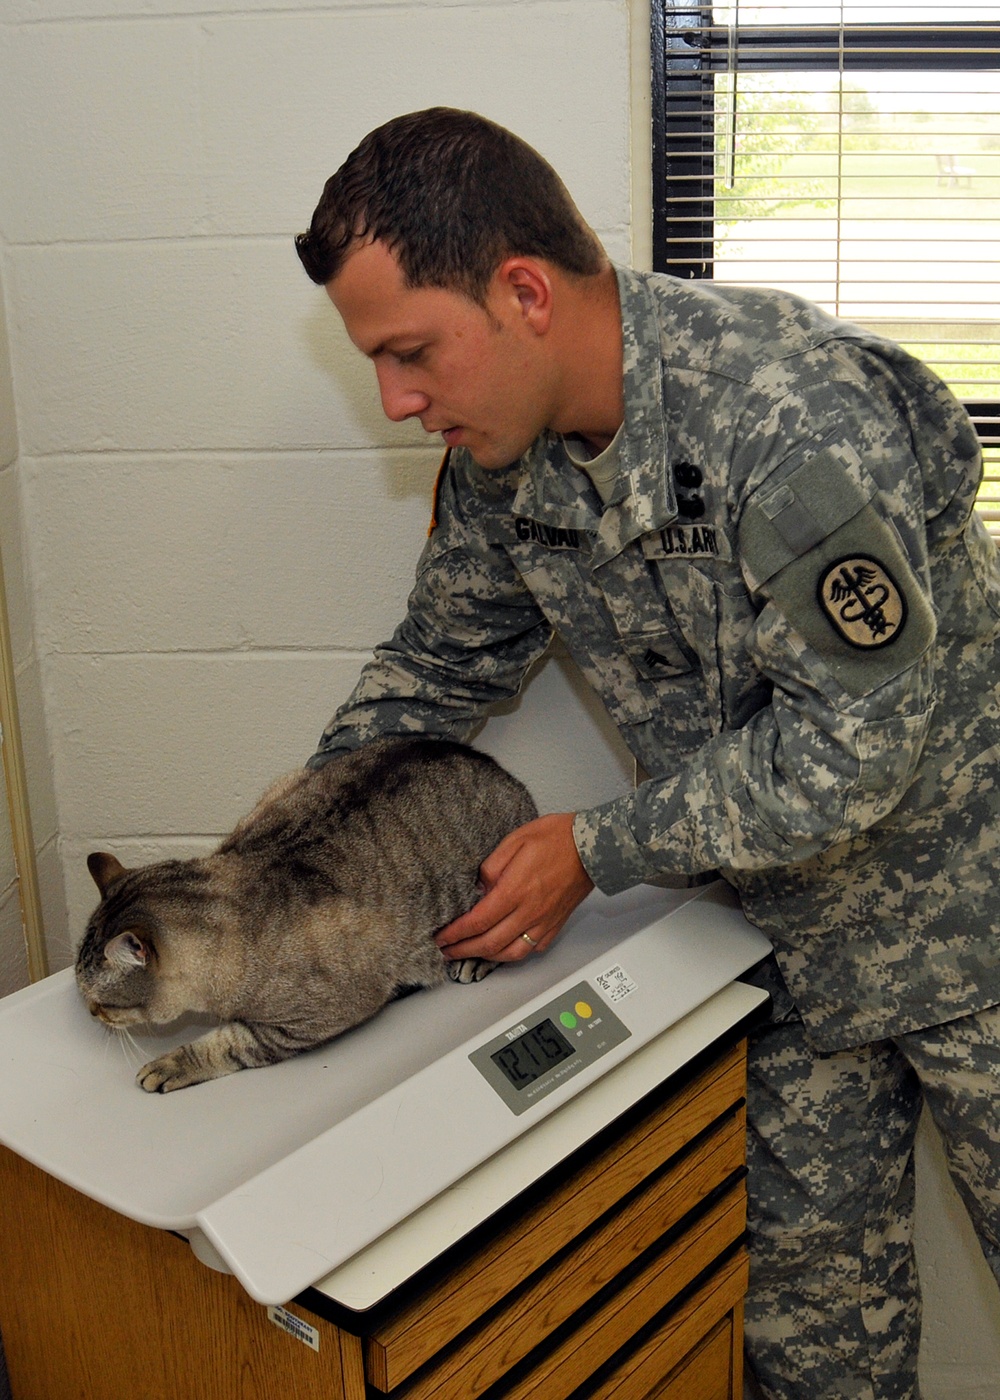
(127,950)
(105,869)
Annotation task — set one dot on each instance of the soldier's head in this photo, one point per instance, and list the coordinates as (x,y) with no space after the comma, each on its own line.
(461,267)
(452,195)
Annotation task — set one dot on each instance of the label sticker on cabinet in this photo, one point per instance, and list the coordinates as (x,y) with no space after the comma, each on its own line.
(616,984)
(294,1326)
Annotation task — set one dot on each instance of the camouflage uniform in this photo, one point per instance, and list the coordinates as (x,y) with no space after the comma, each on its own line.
(792,614)
(833,1309)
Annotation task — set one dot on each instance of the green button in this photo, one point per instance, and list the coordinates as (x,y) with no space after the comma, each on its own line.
(568,1019)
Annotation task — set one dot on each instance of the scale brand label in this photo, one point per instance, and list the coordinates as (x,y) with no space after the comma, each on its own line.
(616,984)
(294,1326)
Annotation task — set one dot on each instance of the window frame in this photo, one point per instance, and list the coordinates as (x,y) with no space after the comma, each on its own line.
(687,51)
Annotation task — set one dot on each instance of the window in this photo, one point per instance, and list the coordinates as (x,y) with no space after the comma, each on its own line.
(848,152)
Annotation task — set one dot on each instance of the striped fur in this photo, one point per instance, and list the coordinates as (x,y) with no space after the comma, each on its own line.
(317,910)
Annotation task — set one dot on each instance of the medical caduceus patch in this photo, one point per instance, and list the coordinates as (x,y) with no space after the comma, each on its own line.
(863,601)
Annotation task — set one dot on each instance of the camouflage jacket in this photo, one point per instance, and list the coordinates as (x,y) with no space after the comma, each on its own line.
(792,614)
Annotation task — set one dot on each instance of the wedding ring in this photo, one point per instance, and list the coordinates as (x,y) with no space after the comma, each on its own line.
(530,941)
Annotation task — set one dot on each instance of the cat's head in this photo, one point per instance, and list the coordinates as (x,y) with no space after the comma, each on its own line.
(122,966)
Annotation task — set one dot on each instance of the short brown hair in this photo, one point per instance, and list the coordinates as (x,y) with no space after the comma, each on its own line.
(452,194)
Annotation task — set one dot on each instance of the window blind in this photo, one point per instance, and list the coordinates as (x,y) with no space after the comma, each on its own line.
(848,152)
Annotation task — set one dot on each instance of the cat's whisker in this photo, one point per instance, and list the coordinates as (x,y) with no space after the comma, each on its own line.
(63,948)
(110,1038)
(140,1056)
(131,1048)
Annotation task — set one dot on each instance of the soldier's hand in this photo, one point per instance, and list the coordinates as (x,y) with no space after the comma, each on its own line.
(533,881)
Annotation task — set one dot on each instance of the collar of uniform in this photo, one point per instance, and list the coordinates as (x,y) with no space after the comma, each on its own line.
(650,502)
(556,492)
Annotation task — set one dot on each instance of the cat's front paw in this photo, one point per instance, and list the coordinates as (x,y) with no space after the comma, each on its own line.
(176,1070)
(470,969)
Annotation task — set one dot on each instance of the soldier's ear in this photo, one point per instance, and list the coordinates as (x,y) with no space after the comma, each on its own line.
(527,283)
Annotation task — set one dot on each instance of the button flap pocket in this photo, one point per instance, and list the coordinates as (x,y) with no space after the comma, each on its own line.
(784,521)
(656,656)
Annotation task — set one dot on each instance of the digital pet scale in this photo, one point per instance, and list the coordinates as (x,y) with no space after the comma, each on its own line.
(284,1174)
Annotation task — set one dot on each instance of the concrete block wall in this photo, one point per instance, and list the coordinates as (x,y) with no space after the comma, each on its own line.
(219,522)
(207,521)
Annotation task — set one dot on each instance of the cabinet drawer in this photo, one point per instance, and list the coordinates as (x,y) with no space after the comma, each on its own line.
(545,1310)
(613,1325)
(706,1331)
(495,1297)
(708,1373)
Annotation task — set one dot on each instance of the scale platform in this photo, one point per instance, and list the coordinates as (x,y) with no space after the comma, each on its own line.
(291,1171)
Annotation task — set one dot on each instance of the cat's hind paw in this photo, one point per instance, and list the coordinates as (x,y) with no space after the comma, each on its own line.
(470,969)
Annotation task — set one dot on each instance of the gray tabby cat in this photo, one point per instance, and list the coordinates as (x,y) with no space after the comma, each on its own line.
(317,910)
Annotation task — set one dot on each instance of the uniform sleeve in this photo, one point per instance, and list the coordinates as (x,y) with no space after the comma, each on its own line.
(844,634)
(470,633)
(799,778)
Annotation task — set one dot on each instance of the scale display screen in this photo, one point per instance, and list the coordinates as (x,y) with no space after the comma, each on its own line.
(532,1054)
(554,1042)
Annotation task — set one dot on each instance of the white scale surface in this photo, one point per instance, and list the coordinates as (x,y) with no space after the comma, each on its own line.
(292,1171)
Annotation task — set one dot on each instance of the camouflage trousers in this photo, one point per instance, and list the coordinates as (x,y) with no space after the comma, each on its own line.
(833,1311)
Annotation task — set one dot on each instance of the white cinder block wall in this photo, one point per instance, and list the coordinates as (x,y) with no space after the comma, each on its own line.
(220,522)
(214,519)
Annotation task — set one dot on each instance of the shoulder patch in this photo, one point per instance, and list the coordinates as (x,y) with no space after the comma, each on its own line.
(858,602)
(817,544)
(437,492)
(863,601)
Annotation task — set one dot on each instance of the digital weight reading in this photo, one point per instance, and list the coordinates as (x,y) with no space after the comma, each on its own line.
(532,1054)
(549,1045)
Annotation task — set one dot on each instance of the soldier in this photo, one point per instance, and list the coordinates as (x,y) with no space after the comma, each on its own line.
(752,526)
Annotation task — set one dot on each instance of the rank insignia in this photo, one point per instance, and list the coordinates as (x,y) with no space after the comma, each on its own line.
(863,601)
(687,480)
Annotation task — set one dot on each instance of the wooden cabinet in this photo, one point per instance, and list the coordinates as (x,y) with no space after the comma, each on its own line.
(621,1274)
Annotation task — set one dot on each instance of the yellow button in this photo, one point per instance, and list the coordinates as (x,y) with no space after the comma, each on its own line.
(582,1009)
